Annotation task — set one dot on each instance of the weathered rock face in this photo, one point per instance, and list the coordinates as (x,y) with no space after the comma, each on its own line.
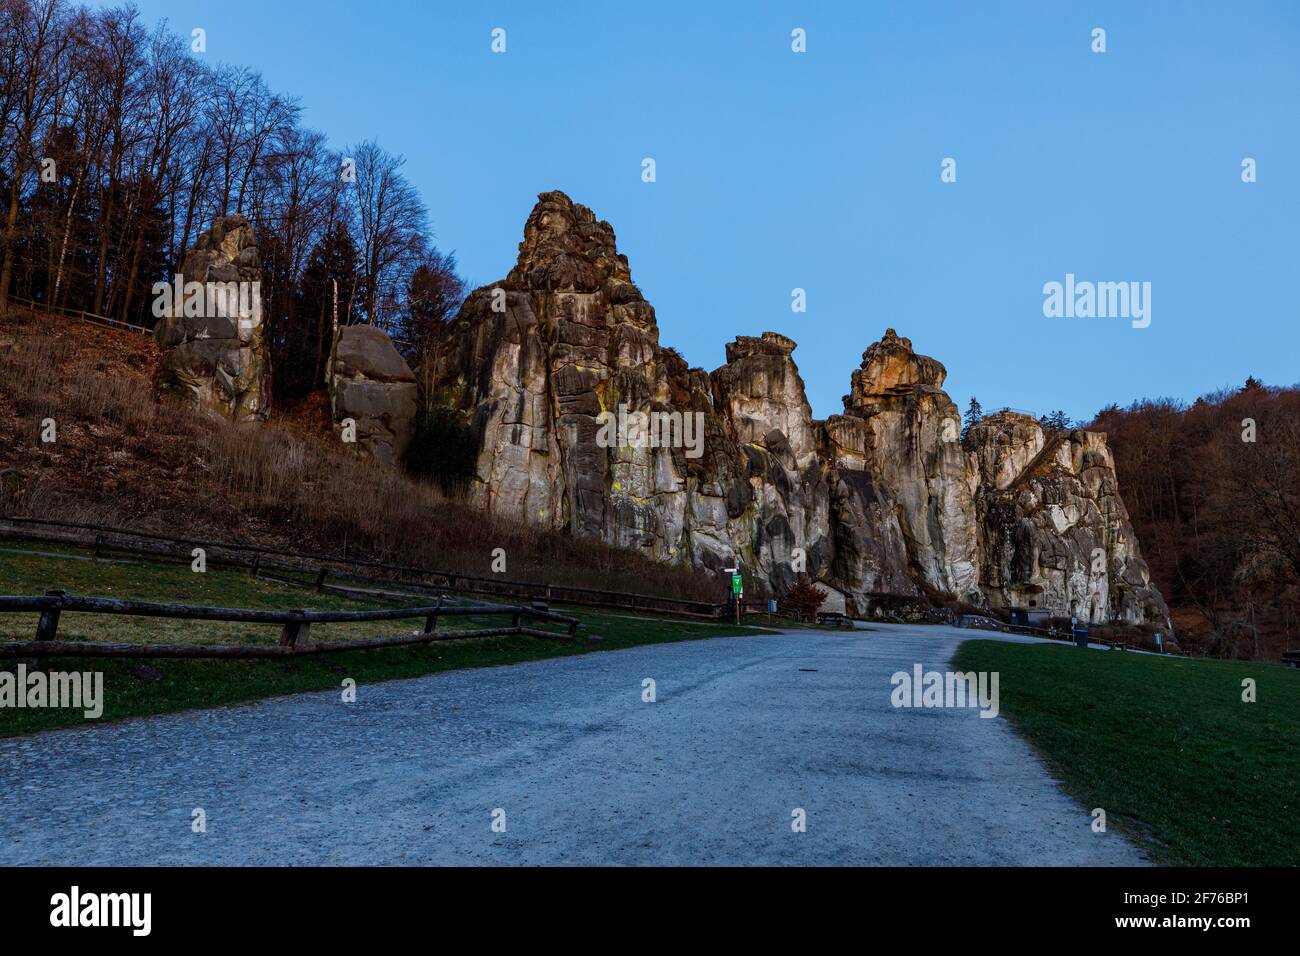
(868,548)
(761,400)
(211,342)
(914,453)
(371,384)
(1056,533)
(561,373)
(560,370)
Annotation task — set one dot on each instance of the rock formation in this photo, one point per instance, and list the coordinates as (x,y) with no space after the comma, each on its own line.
(371,384)
(210,324)
(913,452)
(1056,533)
(884,501)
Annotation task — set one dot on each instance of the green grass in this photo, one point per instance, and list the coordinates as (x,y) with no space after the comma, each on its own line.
(139,687)
(1164,745)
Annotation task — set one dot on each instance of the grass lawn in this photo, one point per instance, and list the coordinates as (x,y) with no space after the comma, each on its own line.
(1164,745)
(137,687)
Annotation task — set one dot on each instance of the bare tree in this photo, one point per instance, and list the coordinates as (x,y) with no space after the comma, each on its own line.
(38,41)
(151,144)
(390,225)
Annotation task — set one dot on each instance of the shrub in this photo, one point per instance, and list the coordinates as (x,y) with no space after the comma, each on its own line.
(804,598)
(443,449)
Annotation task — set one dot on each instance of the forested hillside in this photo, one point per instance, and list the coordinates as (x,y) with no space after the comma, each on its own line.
(1213,490)
(120,143)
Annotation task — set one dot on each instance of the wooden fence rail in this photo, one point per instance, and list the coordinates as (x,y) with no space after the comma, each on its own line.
(100,320)
(255,557)
(294,634)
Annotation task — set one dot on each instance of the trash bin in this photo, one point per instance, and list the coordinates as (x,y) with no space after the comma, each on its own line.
(1080,637)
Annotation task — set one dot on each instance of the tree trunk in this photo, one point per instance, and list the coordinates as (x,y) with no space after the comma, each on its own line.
(11,223)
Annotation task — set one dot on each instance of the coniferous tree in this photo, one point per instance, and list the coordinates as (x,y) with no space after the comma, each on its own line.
(974,412)
(328,285)
(1056,421)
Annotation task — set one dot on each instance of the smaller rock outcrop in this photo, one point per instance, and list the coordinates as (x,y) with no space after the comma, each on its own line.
(371,384)
(1056,534)
(210,324)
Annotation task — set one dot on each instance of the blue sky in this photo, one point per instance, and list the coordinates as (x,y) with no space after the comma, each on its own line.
(820,170)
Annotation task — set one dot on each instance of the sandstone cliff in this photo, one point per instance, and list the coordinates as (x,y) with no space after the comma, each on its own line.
(559,369)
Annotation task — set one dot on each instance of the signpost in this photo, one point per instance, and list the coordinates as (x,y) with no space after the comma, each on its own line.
(737,588)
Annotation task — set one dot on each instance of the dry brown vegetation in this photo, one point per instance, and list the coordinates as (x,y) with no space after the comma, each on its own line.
(123,457)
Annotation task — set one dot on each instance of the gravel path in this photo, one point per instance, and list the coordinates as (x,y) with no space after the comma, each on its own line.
(744,731)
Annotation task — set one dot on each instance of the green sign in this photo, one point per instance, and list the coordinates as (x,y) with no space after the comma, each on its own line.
(737,588)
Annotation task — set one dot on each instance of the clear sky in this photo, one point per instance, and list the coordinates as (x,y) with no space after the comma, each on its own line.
(821,170)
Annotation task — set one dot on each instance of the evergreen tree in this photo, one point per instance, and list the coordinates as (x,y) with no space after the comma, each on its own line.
(1056,421)
(444,449)
(306,345)
(974,412)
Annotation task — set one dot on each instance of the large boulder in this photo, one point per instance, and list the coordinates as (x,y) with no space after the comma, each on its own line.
(210,333)
(371,385)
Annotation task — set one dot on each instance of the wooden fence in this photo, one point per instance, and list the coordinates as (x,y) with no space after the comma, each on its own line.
(295,627)
(101,320)
(105,539)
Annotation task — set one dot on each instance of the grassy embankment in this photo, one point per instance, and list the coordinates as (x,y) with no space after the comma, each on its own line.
(135,687)
(1164,745)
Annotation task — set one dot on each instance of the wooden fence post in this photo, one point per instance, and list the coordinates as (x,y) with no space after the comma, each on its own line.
(99,546)
(48,626)
(431,622)
(257,563)
(320,579)
(295,633)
